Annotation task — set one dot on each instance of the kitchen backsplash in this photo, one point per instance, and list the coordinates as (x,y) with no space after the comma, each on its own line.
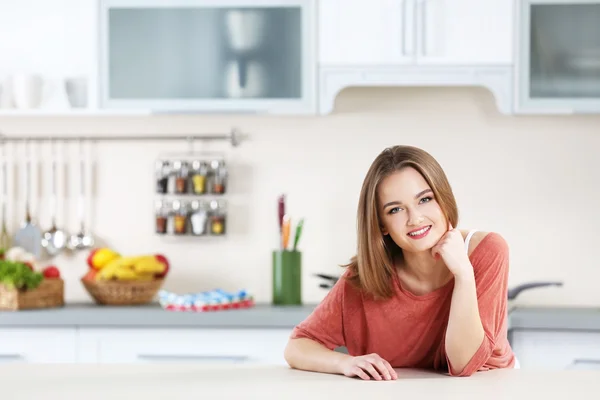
(532,179)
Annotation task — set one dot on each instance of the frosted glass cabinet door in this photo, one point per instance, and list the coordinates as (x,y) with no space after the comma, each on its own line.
(560,55)
(207,55)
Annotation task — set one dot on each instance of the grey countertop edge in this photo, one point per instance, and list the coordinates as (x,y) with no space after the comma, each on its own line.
(261,316)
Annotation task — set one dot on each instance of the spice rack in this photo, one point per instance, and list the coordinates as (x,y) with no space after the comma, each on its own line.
(191,195)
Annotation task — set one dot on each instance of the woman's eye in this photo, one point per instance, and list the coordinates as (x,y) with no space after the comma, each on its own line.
(426,199)
(394,210)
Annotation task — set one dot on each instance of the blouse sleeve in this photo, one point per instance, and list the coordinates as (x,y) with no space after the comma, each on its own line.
(491,267)
(325,324)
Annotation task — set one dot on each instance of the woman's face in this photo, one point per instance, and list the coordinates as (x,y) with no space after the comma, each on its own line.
(409,212)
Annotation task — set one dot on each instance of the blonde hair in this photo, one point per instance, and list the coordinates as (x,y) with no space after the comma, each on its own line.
(371,269)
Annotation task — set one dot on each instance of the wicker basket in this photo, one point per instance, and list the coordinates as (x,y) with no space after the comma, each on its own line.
(122,293)
(50,293)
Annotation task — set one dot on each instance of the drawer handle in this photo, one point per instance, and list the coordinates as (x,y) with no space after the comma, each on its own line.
(182,357)
(585,361)
(10,357)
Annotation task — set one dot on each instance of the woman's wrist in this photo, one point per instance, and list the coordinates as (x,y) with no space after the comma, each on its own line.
(465,275)
(340,360)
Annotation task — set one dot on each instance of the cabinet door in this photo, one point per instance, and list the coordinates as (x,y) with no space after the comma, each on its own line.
(246,346)
(207,55)
(558,67)
(359,32)
(465,32)
(557,350)
(19,345)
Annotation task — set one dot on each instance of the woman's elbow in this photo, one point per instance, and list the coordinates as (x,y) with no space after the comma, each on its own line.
(289,352)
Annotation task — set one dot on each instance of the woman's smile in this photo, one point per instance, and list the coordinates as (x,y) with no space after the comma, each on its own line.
(419,233)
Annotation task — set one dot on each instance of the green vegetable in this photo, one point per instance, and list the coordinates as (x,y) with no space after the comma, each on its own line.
(18,275)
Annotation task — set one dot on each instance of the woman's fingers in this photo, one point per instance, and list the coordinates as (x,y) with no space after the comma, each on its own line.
(382,369)
(367,366)
(388,367)
(360,373)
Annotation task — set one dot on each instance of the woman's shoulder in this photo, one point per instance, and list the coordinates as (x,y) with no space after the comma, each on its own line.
(489,255)
(487,242)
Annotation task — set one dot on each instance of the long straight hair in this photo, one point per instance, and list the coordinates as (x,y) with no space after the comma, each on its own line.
(372,268)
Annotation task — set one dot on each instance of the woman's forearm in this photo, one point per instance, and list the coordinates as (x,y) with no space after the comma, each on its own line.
(308,355)
(464,333)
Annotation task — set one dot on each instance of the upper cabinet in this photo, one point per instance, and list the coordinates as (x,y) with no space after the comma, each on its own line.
(207,55)
(401,32)
(558,66)
(359,32)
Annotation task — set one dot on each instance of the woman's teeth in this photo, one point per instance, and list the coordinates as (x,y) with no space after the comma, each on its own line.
(420,231)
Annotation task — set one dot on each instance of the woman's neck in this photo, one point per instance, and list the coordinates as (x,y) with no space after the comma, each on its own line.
(423,269)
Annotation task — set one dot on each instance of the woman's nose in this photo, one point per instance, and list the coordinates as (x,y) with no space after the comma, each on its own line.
(415,218)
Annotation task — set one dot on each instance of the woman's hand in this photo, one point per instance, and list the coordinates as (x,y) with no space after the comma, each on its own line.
(451,248)
(368,366)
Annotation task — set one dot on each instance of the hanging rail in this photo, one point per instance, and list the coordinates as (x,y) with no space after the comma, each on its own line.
(235,137)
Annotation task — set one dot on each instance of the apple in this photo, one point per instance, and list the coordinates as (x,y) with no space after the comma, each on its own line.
(163,260)
(91,275)
(90,258)
(51,272)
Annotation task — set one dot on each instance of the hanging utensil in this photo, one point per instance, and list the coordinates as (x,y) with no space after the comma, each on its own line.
(54,240)
(4,236)
(29,237)
(81,240)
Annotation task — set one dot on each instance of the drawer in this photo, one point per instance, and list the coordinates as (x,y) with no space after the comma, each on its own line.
(35,345)
(211,346)
(557,350)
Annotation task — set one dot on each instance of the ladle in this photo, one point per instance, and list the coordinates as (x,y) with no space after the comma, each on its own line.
(81,240)
(54,240)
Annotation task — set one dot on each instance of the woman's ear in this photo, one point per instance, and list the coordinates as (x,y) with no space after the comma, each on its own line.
(384,231)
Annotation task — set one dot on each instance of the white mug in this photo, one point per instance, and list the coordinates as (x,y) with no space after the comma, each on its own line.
(76,89)
(6,95)
(246,29)
(27,90)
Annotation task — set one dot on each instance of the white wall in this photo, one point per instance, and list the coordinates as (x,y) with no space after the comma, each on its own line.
(532,179)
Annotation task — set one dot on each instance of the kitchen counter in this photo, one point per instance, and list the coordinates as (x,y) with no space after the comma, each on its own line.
(272,382)
(152,315)
(260,316)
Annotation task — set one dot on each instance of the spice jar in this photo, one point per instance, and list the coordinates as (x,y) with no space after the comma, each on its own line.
(179,217)
(180,169)
(162,214)
(217,218)
(163,170)
(198,217)
(219,176)
(199,172)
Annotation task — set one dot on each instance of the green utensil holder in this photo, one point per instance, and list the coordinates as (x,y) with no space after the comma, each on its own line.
(287,277)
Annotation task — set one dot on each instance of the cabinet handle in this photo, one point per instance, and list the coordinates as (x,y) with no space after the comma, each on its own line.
(423,15)
(191,357)
(409,27)
(580,361)
(10,357)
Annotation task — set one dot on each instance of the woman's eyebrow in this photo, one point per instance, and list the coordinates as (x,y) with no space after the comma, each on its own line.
(395,202)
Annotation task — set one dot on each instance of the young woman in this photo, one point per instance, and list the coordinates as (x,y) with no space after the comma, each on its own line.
(419,293)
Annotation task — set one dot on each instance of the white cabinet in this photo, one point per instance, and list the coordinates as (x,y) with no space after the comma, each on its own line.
(465,32)
(359,32)
(557,350)
(558,62)
(20,345)
(207,55)
(164,56)
(396,32)
(248,346)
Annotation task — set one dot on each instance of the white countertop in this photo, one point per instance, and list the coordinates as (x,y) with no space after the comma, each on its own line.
(262,316)
(170,381)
